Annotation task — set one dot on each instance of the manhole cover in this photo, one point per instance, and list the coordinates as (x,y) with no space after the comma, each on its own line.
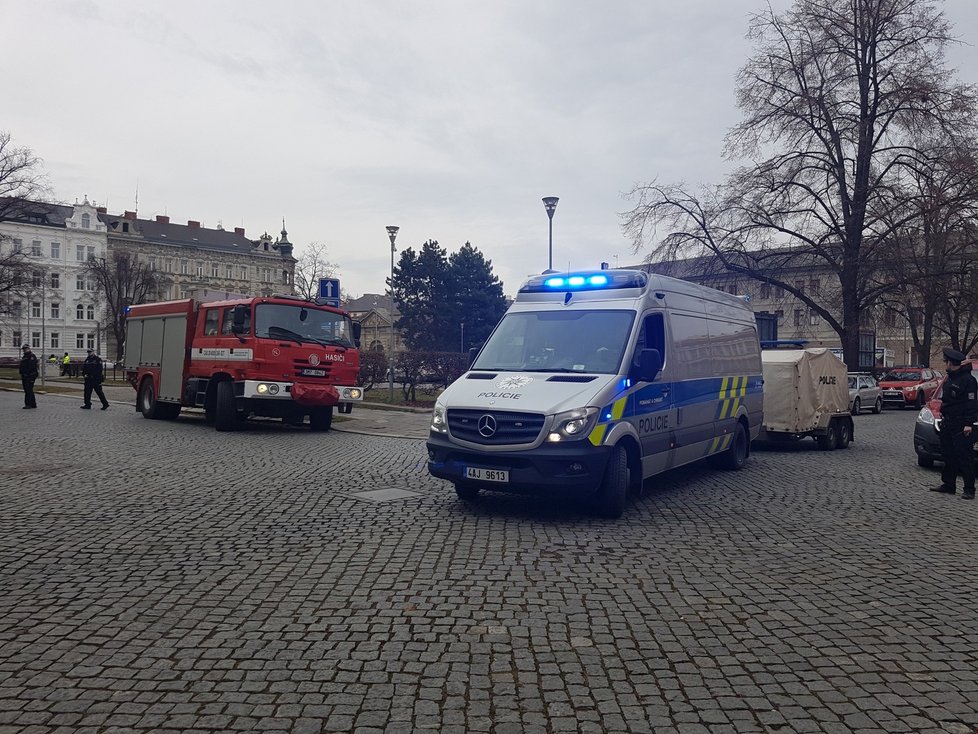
(386,495)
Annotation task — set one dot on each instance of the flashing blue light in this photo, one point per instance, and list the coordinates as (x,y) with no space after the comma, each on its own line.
(598,280)
(554,282)
(584,281)
(575,280)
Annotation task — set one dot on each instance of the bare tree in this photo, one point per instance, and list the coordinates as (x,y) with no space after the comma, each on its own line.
(22,182)
(123,280)
(832,99)
(312,265)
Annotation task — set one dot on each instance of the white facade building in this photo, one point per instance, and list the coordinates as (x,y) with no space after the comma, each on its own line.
(56,309)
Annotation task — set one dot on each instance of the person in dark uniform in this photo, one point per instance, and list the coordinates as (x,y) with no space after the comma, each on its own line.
(92,372)
(28,373)
(959,413)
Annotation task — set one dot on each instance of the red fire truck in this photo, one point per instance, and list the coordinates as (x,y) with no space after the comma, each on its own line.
(280,356)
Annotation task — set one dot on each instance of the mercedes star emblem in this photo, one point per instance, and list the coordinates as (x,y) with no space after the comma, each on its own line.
(487,426)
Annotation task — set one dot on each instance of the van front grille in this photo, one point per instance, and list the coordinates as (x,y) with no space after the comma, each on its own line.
(494,427)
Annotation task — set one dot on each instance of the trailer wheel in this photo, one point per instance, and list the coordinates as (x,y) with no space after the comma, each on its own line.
(226,410)
(147,400)
(320,419)
(844,435)
(829,440)
(466,492)
(613,493)
(735,458)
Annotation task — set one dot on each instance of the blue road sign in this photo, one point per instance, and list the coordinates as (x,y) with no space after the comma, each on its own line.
(329,290)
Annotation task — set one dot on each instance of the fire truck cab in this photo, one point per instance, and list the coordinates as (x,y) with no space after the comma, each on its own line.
(278,356)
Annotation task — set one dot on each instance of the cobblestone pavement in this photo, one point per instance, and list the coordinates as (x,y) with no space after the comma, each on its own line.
(163,577)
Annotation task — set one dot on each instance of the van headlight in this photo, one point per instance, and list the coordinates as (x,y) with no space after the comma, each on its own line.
(573,424)
(439,424)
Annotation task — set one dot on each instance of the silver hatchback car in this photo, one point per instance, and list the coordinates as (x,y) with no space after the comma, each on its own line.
(864,392)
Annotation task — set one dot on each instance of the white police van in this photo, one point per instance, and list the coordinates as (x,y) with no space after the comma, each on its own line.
(595,381)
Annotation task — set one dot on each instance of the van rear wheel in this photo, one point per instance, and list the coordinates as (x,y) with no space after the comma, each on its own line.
(735,458)
(613,493)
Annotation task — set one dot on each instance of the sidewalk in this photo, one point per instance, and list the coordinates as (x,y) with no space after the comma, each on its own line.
(367,419)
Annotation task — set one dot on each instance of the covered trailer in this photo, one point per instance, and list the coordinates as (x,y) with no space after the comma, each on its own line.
(806,393)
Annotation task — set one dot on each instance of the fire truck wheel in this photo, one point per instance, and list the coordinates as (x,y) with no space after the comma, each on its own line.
(147,399)
(226,416)
(320,419)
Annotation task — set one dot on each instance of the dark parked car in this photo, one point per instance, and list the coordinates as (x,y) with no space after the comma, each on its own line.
(926,430)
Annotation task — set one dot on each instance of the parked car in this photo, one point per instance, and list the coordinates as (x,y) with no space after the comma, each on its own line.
(909,386)
(926,430)
(864,392)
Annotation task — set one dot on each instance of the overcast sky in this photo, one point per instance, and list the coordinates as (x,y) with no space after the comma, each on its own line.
(450,119)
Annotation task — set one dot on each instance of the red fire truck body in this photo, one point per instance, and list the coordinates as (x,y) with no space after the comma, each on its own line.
(279,356)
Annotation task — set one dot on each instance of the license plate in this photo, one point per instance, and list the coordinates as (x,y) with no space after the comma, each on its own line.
(486,475)
(313,373)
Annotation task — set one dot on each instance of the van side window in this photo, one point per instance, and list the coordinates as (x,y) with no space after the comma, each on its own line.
(211,321)
(652,336)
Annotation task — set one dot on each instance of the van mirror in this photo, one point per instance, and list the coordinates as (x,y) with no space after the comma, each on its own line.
(239,316)
(473,353)
(648,364)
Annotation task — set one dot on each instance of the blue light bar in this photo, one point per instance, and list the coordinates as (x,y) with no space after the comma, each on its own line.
(606,280)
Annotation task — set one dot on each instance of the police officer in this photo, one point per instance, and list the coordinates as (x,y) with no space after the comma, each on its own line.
(92,372)
(28,374)
(959,413)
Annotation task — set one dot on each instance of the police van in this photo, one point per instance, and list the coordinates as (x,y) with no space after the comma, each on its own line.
(594,381)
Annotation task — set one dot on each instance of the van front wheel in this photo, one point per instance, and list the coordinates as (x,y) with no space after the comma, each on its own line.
(613,493)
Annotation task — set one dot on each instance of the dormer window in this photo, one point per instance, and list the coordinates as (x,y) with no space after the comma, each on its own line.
(86,221)
(125,226)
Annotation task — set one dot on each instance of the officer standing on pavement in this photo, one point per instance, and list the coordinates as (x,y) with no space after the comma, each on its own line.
(92,372)
(28,373)
(959,414)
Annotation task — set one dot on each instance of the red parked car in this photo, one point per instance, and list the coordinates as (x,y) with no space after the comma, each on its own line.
(909,386)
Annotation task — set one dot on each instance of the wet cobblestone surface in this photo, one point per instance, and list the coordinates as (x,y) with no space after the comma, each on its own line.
(162,577)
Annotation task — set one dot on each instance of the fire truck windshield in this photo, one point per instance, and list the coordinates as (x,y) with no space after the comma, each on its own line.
(302,324)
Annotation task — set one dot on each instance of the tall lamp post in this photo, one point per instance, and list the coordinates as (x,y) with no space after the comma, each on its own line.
(392,233)
(550,204)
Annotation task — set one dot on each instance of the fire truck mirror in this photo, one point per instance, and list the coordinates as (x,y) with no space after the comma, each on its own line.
(356,333)
(239,317)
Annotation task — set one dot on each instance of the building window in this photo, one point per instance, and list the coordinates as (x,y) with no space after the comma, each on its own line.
(15,311)
(798,316)
(814,285)
(812,318)
(200,270)
(37,277)
(18,248)
(90,312)
(80,312)
(56,250)
(79,282)
(244,273)
(55,280)
(168,266)
(778,292)
(16,338)
(285,277)
(36,248)
(90,340)
(80,253)
(780,315)
(800,286)
(90,284)
(79,341)
(229,272)
(86,221)
(184,267)
(36,310)
(91,252)
(214,270)
(55,340)
(765,291)
(35,339)
(889,318)
(55,310)
(152,263)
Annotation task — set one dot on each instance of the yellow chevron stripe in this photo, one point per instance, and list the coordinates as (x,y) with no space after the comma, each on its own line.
(618,408)
(597,435)
(723,387)
(726,442)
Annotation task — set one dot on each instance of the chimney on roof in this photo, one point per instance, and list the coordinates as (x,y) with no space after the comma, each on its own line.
(162,219)
(129,215)
(101,210)
(193,224)
(239,231)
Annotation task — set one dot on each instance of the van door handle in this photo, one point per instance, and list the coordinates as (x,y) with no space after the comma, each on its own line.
(665,391)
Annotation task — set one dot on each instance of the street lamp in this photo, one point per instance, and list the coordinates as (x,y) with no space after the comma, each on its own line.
(392,233)
(550,203)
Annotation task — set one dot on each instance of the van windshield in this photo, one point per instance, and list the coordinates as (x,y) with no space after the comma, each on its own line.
(558,341)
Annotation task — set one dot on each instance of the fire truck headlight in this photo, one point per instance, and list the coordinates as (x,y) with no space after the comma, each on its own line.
(262,388)
(273,389)
(355,393)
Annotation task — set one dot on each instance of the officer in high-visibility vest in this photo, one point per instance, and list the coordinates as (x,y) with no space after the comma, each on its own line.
(65,365)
